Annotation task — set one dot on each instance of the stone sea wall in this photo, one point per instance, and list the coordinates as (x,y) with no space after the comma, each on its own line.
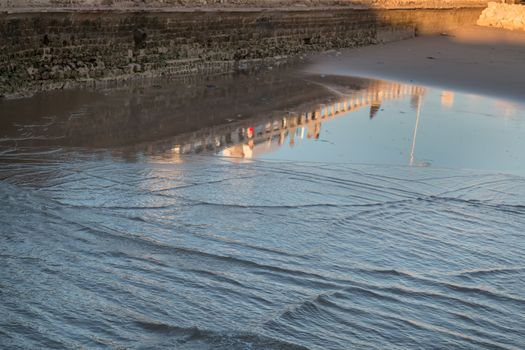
(506,16)
(149,4)
(52,50)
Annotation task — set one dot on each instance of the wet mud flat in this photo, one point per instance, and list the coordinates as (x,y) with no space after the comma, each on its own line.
(470,59)
(136,112)
(277,210)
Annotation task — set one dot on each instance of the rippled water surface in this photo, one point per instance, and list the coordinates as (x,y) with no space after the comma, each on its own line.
(380,216)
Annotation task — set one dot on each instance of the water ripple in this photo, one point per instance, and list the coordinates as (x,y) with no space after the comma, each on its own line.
(208,254)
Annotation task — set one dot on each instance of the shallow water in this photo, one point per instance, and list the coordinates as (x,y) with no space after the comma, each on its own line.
(400,124)
(354,237)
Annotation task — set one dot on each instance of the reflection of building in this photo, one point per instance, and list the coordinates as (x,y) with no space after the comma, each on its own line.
(447,99)
(374,108)
(508,108)
(247,140)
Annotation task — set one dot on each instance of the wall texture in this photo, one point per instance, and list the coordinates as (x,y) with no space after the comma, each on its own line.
(119,4)
(503,16)
(41,51)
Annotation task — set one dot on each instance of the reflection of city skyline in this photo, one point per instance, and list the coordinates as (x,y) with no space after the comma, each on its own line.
(249,140)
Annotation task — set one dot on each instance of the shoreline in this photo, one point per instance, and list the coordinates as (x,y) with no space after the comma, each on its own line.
(478,60)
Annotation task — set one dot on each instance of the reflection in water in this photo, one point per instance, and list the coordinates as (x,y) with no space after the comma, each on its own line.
(115,233)
(416,127)
(447,99)
(149,111)
(267,136)
(237,117)
(271,115)
(275,115)
(405,125)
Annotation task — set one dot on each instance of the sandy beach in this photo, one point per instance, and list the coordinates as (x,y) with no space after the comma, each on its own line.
(486,61)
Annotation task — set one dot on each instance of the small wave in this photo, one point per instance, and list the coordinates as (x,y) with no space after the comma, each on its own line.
(305,206)
(488,293)
(311,308)
(510,208)
(435,296)
(16,154)
(210,339)
(391,272)
(460,288)
(9,139)
(493,271)
(217,277)
(298,206)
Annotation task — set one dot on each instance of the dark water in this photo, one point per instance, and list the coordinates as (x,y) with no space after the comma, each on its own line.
(341,232)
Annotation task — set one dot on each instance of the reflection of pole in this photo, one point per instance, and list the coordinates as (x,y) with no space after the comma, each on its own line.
(414,136)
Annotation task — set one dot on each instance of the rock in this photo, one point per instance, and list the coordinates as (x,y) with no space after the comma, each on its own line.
(32,71)
(501,15)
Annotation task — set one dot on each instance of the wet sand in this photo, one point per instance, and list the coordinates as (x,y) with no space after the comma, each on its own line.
(479,60)
(147,111)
